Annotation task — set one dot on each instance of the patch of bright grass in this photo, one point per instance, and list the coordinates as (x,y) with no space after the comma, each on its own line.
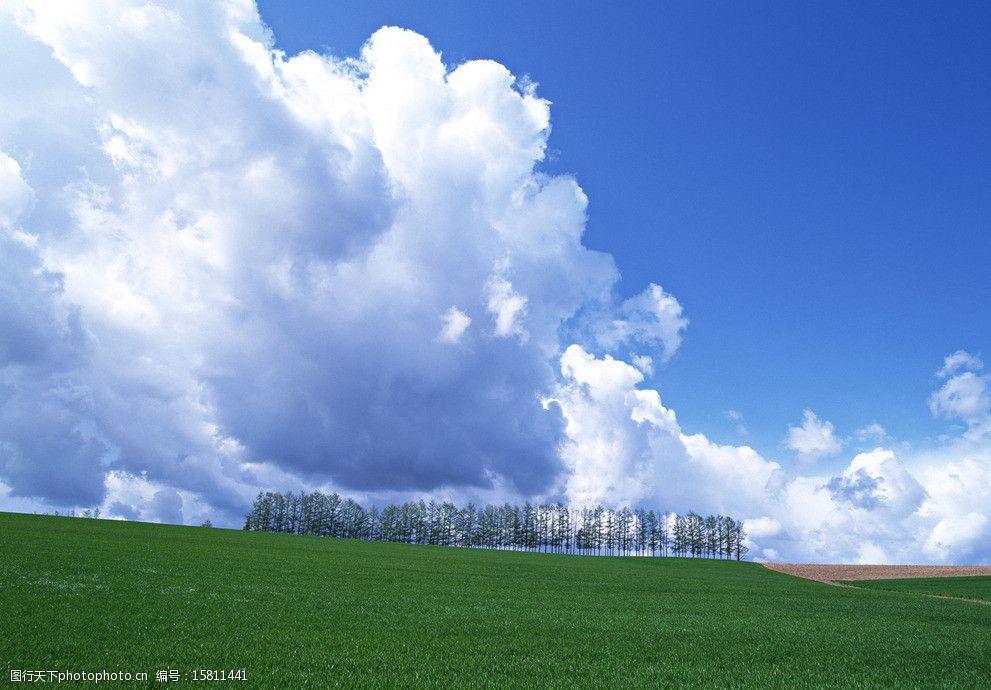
(967,587)
(296,612)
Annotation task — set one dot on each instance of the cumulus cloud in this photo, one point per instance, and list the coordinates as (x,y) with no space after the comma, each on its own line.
(237,270)
(166,506)
(814,438)
(455,322)
(876,480)
(624,446)
(43,411)
(614,432)
(964,396)
(762,528)
(958,536)
(872,432)
(15,194)
(240,259)
(508,308)
(644,363)
(957,479)
(961,360)
(652,318)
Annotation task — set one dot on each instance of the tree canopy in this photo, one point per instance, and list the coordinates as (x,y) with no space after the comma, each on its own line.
(545,527)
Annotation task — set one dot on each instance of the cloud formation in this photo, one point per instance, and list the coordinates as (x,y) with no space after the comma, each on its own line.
(965,395)
(251,271)
(652,319)
(872,432)
(455,322)
(624,446)
(235,270)
(815,438)
(959,360)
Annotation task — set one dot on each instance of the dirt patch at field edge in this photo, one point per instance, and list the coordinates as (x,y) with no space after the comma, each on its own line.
(831,573)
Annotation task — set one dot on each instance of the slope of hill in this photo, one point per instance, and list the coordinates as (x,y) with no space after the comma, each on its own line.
(87,595)
(975,587)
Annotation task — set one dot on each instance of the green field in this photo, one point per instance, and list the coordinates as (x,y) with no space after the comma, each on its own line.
(86,595)
(974,587)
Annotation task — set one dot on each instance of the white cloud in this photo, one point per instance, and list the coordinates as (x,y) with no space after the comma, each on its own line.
(15,194)
(507,307)
(964,396)
(877,480)
(275,259)
(609,452)
(624,446)
(653,318)
(815,438)
(957,480)
(762,527)
(135,497)
(956,537)
(644,364)
(197,303)
(959,360)
(872,432)
(737,416)
(455,323)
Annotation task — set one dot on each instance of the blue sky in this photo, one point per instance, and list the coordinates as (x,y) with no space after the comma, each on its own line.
(708,258)
(811,181)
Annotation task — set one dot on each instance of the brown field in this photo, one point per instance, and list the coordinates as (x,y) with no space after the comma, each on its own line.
(830,573)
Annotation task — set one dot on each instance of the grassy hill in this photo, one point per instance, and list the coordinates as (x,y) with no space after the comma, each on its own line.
(86,595)
(975,587)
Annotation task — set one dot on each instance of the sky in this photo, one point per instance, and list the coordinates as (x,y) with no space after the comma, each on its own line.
(722,258)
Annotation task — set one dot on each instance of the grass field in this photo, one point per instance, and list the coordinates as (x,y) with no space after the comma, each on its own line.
(86,595)
(978,587)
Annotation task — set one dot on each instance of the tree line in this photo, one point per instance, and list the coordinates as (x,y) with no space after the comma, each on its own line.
(530,527)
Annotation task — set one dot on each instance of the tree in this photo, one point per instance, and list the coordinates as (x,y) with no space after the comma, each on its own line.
(529,526)
(695,534)
(609,532)
(711,537)
(544,527)
(739,536)
(652,533)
